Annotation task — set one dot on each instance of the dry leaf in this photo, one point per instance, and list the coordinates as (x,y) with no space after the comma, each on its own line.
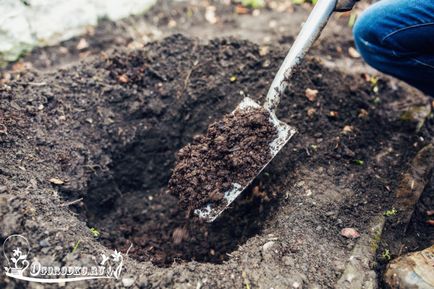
(56,181)
(311,94)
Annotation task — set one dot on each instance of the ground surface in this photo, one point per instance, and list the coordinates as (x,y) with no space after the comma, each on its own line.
(109,128)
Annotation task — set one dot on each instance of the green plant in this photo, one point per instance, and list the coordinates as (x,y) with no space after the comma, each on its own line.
(95,232)
(374,83)
(391,212)
(386,255)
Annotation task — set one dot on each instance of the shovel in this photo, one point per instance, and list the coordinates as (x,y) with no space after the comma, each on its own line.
(309,33)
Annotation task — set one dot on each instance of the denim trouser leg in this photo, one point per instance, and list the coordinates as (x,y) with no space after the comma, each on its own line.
(397,38)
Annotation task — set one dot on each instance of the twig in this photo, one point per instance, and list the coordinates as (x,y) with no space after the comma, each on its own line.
(71,202)
(128,250)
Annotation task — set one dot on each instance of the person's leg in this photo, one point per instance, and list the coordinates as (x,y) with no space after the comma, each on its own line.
(397,38)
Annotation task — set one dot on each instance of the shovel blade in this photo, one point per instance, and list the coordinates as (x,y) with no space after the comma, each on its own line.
(284,133)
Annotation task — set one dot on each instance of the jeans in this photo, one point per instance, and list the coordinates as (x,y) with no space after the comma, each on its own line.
(397,37)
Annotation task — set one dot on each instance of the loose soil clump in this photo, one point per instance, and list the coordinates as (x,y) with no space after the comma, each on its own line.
(232,151)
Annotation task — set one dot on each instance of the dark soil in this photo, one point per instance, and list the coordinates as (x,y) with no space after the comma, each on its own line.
(233,150)
(110,128)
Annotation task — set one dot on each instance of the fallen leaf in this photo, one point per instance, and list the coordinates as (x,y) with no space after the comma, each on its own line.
(56,181)
(353,52)
(311,94)
(350,233)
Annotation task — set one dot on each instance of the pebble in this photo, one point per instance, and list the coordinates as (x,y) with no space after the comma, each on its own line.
(288,261)
(350,233)
(128,281)
(268,246)
(3,189)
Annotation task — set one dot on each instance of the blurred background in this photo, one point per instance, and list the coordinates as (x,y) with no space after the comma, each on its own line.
(47,34)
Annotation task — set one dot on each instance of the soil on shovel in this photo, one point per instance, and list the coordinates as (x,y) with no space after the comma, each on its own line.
(94,145)
(233,150)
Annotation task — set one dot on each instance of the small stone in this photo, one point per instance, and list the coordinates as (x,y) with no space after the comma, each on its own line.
(413,270)
(353,52)
(311,111)
(56,181)
(210,14)
(128,281)
(288,261)
(143,281)
(123,78)
(82,44)
(350,233)
(44,243)
(268,246)
(311,94)
(3,189)
(347,129)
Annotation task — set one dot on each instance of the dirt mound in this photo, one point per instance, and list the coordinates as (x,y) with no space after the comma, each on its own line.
(109,130)
(233,150)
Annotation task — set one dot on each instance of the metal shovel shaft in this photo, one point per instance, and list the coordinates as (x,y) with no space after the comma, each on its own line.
(309,33)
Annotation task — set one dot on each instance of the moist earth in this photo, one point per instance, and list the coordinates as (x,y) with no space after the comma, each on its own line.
(232,151)
(94,145)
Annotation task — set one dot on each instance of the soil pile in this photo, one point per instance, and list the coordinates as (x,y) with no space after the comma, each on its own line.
(233,150)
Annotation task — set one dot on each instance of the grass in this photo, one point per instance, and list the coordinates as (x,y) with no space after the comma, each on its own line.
(76,246)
